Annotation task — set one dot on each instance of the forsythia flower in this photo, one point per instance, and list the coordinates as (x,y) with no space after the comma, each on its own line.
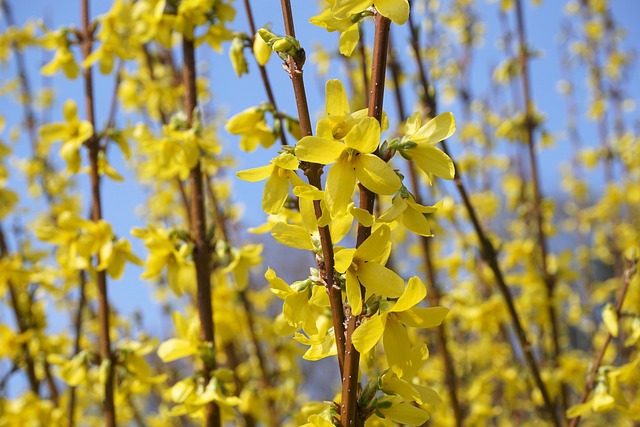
(389,324)
(353,160)
(349,34)
(419,144)
(363,266)
(395,10)
(405,208)
(73,133)
(280,174)
(252,127)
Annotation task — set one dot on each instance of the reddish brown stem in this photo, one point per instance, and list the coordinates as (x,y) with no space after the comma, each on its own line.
(349,409)
(93,147)
(201,251)
(548,278)
(314,171)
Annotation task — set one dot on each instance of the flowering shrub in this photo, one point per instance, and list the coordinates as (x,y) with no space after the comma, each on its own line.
(448,284)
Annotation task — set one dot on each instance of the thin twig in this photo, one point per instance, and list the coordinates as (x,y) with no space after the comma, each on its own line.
(93,146)
(313,172)
(201,251)
(548,278)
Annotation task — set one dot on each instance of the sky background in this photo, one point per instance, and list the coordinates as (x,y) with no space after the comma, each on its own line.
(232,95)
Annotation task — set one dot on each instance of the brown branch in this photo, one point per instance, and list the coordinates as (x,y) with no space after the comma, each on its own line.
(350,385)
(93,147)
(630,271)
(314,171)
(487,249)
(82,300)
(34,383)
(201,251)
(548,278)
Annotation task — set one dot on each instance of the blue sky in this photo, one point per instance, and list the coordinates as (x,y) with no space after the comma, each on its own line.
(232,95)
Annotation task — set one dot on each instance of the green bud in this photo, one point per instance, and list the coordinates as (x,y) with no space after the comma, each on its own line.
(267,36)
(282,45)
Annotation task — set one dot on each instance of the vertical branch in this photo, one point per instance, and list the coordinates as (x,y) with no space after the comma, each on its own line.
(201,251)
(93,147)
(313,172)
(548,278)
(487,250)
(71,409)
(348,410)
(34,383)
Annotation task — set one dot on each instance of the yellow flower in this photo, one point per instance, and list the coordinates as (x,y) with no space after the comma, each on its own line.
(365,265)
(73,133)
(353,160)
(280,174)
(395,10)
(409,212)
(349,34)
(252,127)
(419,144)
(390,323)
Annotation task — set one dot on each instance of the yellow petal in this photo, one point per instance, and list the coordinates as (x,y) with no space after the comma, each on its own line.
(405,413)
(377,175)
(396,10)
(176,348)
(362,215)
(432,160)
(318,150)
(349,40)
(364,136)
(296,309)
(423,317)
(337,104)
(70,110)
(343,9)
(413,294)
(367,335)
(286,161)
(255,174)
(261,50)
(380,280)
(291,235)
(375,244)
(354,294)
(276,190)
(54,132)
(413,124)
(396,346)
(397,208)
(416,222)
(342,259)
(341,181)
(435,130)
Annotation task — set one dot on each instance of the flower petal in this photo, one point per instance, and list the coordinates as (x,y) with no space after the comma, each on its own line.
(354,295)
(432,160)
(255,174)
(377,175)
(435,130)
(396,10)
(341,181)
(291,235)
(364,136)
(423,317)
(342,259)
(413,294)
(318,150)
(337,104)
(380,280)
(343,9)
(374,245)
(367,335)
(396,346)
(276,190)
